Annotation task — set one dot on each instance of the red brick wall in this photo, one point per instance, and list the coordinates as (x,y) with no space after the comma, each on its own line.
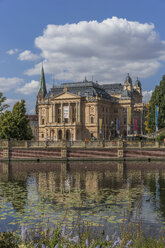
(141,153)
(92,153)
(35,153)
(55,153)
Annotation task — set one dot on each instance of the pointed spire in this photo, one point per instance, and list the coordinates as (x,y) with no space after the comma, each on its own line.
(42,83)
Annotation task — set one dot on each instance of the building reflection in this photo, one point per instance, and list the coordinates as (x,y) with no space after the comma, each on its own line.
(81,181)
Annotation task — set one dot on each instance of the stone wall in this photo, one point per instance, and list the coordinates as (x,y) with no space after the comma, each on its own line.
(80,150)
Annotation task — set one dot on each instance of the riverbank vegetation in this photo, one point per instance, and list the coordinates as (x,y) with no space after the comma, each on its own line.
(82,236)
(157,99)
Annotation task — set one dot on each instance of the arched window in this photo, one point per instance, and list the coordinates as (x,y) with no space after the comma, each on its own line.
(92,119)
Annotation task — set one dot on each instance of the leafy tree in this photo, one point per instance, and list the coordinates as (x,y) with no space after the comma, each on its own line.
(157,99)
(2,105)
(15,124)
(23,130)
(6,125)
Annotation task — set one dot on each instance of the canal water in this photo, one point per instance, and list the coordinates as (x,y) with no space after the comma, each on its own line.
(101,194)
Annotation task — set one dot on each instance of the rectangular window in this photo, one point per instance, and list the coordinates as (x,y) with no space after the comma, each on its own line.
(42,135)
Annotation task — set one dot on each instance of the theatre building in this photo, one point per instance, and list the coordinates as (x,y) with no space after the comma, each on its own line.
(85,110)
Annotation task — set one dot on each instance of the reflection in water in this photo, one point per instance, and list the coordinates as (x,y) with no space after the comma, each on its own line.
(104,193)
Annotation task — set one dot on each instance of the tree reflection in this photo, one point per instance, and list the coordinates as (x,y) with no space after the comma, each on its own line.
(13,187)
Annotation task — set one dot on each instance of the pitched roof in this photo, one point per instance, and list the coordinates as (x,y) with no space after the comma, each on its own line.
(86,88)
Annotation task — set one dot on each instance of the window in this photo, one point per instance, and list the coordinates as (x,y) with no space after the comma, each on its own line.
(125,121)
(92,120)
(42,121)
(42,135)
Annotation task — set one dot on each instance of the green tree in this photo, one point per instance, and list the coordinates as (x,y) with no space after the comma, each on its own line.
(157,99)
(3,106)
(6,125)
(15,124)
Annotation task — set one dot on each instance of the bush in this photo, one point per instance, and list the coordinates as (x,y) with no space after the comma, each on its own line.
(161,137)
(8,240)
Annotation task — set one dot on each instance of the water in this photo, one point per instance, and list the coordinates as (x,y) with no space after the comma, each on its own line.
(100,194)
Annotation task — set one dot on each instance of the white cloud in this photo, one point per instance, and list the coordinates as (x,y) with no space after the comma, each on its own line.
(29,88)
(28,55)
(107,50)
(12,51)
(7,84)
(146,96)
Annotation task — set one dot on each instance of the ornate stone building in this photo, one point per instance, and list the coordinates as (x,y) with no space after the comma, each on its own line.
(85,110)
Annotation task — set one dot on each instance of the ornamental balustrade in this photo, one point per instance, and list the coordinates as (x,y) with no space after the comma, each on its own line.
(80,144)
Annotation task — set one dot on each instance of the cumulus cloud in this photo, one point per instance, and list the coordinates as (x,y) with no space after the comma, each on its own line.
(146,96)
(29,88)
(12,51)
(28,55)
(107,50)
(6,84)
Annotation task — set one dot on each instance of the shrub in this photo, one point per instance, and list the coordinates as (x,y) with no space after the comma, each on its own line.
(8,240)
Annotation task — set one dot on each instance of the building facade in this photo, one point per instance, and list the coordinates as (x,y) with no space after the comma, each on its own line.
(33,121)
(85,110)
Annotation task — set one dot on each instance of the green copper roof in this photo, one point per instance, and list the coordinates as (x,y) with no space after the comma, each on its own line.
(43,83)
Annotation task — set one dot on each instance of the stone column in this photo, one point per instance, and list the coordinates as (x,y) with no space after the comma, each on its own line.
(54,112)
(69,113)
(76,112)
(79,113)
(61,112)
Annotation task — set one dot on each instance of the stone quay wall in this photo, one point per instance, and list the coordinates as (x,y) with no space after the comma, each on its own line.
(80,150)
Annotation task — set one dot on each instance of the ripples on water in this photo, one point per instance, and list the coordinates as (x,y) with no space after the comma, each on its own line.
(102,194)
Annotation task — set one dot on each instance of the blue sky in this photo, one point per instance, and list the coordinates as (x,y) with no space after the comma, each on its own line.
(103,39)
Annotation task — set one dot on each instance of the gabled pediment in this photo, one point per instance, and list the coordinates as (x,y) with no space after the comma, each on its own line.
(66,95)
